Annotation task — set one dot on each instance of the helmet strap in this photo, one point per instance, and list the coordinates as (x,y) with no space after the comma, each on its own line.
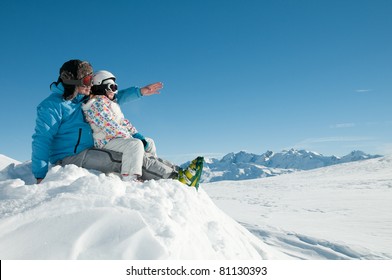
(73,82)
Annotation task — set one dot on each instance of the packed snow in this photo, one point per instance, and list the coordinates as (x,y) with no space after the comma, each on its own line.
(336,212)
(79,214)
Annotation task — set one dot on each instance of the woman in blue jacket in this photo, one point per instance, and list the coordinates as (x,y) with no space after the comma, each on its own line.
(62,135)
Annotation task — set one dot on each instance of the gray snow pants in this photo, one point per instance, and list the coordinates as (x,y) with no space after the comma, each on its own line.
(108,161)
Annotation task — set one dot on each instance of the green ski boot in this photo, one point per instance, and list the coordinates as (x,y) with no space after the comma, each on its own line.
(191,175)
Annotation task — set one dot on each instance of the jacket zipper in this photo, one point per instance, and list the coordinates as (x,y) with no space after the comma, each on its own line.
(77,143)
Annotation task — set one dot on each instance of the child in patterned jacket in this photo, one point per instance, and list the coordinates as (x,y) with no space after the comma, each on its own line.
(111,130)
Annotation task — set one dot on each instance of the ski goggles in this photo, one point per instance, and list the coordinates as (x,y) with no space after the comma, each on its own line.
(111,87)
(86,81)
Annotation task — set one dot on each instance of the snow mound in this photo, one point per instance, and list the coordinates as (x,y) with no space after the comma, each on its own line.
(79,214)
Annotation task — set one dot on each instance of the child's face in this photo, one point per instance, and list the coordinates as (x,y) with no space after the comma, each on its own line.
(110,94)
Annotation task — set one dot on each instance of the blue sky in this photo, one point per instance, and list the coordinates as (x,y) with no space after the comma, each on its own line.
(252,75)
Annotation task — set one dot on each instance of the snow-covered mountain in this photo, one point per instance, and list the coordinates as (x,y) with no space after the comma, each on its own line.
(243,165)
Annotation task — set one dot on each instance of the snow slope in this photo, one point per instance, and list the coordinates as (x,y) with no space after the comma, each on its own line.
(78,214)
(338,212)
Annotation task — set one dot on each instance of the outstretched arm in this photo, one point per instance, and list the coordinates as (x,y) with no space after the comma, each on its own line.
(133,93)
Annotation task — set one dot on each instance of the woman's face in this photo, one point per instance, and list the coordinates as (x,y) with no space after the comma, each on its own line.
(85,90)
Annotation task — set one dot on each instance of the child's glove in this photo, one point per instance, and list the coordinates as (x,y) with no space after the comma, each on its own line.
(143,139)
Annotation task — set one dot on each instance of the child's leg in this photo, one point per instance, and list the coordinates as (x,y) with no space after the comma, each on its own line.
(132,158)
(151,147)
(157,168)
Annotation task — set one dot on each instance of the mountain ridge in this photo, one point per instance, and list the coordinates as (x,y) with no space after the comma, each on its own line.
(243,165)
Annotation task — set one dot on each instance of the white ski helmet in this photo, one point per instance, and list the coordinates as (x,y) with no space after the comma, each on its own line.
(100,77)
(103,81)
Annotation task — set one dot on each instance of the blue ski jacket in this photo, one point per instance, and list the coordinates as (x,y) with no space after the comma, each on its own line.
(61,129)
